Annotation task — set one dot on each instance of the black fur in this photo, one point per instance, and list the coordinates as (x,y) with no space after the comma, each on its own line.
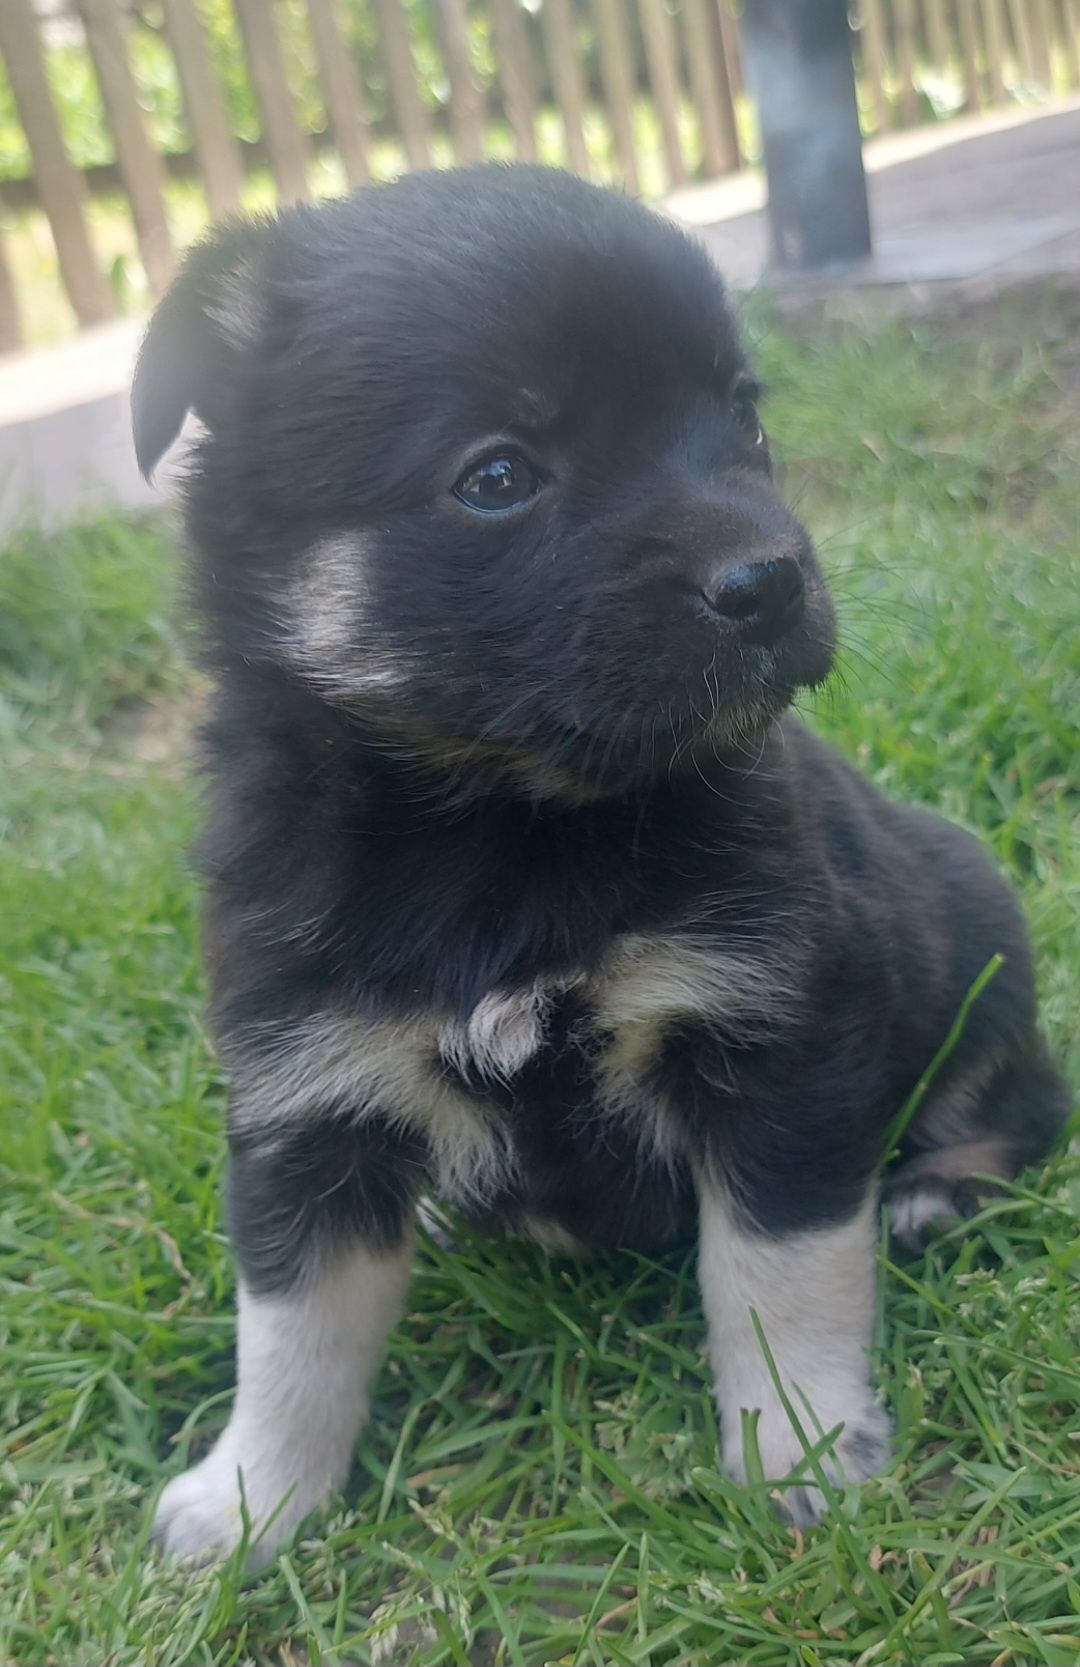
(565,742)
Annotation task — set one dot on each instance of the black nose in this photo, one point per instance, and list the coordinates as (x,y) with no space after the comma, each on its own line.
(763,598)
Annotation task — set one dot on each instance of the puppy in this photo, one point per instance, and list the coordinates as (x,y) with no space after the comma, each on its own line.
(521,887)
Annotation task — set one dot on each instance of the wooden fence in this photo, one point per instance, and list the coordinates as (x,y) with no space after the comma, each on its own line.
(646,92)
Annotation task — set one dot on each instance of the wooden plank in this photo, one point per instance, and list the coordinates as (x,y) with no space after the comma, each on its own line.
(729,126)
(1041,32)
(938,42)
(10,325)
(872,41)
(906,38)
(701,58)
(60,188)
(219,162)
(466,98)
(409,110)
(994,36)
(141,168)
(1070,23)
(514,66)
(662,62)
(618,80)
(729,34)
(287,146)
(341,90)
(564,63)
(969,53)
(1021,29)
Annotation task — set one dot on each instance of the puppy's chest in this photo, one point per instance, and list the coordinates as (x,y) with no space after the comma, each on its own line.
(575,1071)
(538,1080)
(512,1037)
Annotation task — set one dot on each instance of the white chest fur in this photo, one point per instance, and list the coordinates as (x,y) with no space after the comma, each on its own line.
(648,983)
(355,1066)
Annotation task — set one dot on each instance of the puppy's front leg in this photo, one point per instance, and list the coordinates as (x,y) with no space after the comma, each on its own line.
(319,1290)
(813,1293)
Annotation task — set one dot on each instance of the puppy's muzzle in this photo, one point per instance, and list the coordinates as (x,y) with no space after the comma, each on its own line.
(762,598)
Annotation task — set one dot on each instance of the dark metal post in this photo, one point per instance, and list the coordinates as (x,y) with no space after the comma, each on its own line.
(797,55)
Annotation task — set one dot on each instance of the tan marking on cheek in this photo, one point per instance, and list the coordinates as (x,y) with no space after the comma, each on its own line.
(329,629)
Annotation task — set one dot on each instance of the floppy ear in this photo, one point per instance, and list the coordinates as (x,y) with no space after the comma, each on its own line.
(190,353)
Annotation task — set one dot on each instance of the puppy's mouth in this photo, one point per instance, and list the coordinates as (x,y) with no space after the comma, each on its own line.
(661,687)
(683,718)
(663,737)
(651,740)
(569,764)
(622,730)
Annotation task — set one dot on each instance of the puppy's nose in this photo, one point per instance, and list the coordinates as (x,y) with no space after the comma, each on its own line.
(762,598)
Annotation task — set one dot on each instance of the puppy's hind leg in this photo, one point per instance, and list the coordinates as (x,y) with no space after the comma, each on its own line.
(314,1311)
(987,1125)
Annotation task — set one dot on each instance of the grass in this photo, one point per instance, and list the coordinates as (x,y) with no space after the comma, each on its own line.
(540,1483)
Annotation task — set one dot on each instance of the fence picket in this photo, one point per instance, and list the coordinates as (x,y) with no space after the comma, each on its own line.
(515,75)
(141,167)
(410,111)
(906,40)
(466,97)
(709,97)
(994,36)
(618,86)
(341,90)
(871,45)
(10,323)
(1070,22)
(219,163)
(729,36)
(60,187)
(727,70)
(661,60)
(969,54)
(287,146)
(1041,31)
(564,63)
(1021,32)
(938,43)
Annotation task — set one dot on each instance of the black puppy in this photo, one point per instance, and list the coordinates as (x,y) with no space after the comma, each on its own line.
(520,888)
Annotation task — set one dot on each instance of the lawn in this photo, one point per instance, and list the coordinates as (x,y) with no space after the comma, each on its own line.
(540,1484)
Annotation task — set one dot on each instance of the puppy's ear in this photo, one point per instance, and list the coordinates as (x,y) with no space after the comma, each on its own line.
(190,355)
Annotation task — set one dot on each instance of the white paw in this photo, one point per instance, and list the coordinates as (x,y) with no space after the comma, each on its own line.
(860,1450)
(921,1209)
(200,1518)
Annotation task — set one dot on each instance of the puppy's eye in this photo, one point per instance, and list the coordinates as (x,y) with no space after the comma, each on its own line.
(501,481)
(744,409)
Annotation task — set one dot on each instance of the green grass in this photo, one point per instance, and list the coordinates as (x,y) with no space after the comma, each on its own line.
(539,1484)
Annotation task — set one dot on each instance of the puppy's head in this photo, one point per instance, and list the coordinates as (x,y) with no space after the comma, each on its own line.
(482,462)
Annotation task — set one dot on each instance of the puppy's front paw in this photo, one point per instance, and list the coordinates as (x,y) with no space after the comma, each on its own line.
(860,1450)
(200,1518)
